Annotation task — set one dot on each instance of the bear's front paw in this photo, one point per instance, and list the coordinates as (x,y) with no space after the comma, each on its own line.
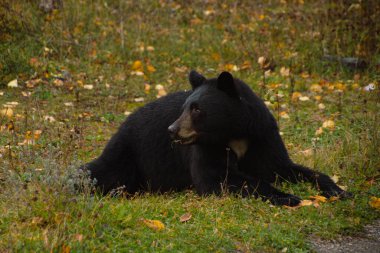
(285,200)
(337,193)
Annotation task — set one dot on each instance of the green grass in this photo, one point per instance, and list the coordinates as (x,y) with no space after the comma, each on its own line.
(97,42)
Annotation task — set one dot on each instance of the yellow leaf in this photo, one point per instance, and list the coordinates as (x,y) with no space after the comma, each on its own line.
(340,86)
(147,88)
(7,112)
(160,91)
(316,88)
(319,131)
(306,202)
(185,217)
(37,134)
(88,86)
(150,48)
(319,198)
(355,86)
(231,67)
(13,84)
(304,98)
(296,95)
(305,75)
(329,124)
(246,65)
(375,202)
(321,106)
(65,249)
(137,66)
(284,115)
(335,178)
(284,71)
(215,56)
(151,69)
(154,224)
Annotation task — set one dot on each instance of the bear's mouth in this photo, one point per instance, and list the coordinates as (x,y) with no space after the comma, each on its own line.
(185,141)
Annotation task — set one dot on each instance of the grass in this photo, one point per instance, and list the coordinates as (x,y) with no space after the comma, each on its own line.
(98,43)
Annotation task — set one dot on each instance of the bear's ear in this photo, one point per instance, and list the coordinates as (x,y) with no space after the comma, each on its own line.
(226,83)
(196,79)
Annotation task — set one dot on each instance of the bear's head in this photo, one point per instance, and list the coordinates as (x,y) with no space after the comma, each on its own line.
(211,113)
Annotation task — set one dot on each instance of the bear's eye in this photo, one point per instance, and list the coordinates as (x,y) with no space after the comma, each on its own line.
(195,108)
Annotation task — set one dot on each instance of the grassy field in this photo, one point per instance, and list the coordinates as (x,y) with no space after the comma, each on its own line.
(81,69)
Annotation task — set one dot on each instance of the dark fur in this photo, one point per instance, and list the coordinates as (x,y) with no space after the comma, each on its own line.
(142,156)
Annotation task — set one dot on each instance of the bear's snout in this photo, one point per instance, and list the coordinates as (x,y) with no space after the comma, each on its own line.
(173,130)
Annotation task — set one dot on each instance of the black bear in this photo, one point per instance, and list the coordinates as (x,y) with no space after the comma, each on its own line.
(218,136)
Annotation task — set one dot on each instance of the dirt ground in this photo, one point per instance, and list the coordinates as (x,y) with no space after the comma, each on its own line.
(367,241)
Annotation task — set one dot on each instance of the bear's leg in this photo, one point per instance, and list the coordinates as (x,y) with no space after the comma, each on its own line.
(212,171)
(248,186)
(296,173)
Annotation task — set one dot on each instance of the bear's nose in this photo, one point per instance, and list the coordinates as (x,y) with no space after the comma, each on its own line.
(173,130)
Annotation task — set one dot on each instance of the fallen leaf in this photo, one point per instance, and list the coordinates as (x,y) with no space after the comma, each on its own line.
(296,95)
(245,65)
(284,115)
(316,88)
(355,86)
(369,87)
(37,134)
(147,88)
(137,73)
(304,98)
(329,124)
(319,198)
(65,249)
(231,67)
(154,224)
(8,112)
(335,178)
(343,187)
(12,104)
(321,106)
(306,202)
(340,86)
(26,93)
(137,66)
(88,86)
(139,99)
(185,217)
(49,118)
(150,48)
(78,237)
(13,83)
(58,82)
(319,131)
(284,71)
(160,91)
(374,202)
(307,152)
(151,69)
